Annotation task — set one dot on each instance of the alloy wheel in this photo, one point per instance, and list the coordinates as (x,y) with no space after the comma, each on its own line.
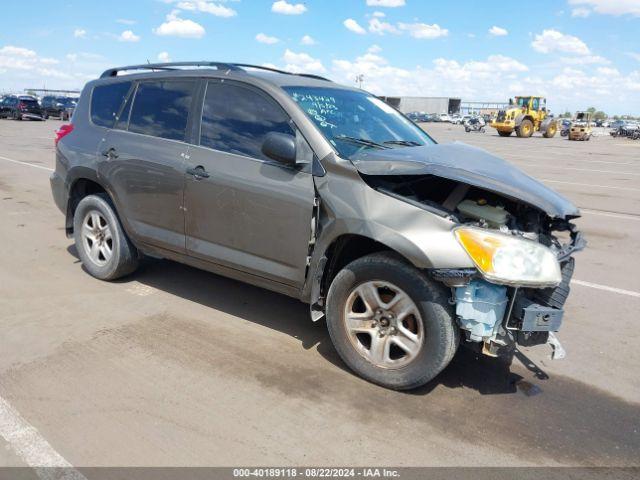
(383,324)
(97,238)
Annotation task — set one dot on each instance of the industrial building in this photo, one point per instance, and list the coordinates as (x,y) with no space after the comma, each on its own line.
(425,104)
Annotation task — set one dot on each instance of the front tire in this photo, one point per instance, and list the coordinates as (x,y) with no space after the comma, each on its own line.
(390,323)
(504,134)
(551,130)
(104,248)
(525,130)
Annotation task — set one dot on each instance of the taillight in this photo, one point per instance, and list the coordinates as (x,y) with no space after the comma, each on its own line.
(64,130)
(22,106)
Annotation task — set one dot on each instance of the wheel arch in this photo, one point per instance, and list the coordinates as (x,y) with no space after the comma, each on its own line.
(342,250)
(522,117)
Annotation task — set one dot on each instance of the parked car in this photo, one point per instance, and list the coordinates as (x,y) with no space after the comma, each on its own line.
(61,107)
(21,107)
(444,117)
(456,119)
(617,124)
(323,192)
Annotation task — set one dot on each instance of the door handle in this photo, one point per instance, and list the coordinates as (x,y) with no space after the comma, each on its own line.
(110,153)
(198,172)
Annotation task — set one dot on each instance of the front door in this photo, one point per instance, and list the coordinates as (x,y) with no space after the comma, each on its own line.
(243,210)
(143,161)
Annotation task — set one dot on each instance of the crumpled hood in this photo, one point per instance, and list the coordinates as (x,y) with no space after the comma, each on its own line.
(467,164)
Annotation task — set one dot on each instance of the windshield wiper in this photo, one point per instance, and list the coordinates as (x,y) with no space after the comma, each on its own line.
(406,143)
(361,141)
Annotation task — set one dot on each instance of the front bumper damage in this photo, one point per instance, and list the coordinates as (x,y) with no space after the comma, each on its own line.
(498,318)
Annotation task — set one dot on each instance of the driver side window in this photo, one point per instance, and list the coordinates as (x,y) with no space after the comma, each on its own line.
(237,119)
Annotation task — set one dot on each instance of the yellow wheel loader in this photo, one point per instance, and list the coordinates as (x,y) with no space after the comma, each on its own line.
(524,116)
(582,126)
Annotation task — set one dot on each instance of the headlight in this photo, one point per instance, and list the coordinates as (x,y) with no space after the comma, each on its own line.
(509,260)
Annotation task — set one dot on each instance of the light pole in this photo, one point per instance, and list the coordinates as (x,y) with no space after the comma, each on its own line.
(360,80)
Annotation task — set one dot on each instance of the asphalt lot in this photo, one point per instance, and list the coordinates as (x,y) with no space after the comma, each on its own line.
(176,366)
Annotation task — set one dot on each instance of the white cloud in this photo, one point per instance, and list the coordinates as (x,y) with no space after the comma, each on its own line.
(610,7)
(552,40)
(354,26)
(286,8)
(374,48)
(585,60)
(473,80)
(634,55)
(302,63)
(580,12)
(264,38)
(22,67)
(164,57)
(422,30)
(179,27)
(608,71)
(207,7)
(126,21)
(20,52)
(128,36)
(379,14)
(308,40)
(498,31)
(79,33)
(385,3)
(84,56)
(380,28)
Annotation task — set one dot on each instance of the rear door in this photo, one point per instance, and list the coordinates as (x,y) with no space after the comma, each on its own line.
(143,160)
(247,212)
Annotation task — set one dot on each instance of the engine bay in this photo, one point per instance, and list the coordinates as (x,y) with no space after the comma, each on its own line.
(495,316)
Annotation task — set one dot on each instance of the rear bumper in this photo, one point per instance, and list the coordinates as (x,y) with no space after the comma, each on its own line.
(59,191)
(31,115)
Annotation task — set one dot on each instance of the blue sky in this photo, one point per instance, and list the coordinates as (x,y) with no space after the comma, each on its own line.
(579,53)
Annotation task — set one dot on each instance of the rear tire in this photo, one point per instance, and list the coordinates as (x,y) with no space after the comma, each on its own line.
(430,331)
(525,130)
(103,246)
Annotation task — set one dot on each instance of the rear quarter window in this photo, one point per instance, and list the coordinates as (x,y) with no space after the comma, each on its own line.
(106,101)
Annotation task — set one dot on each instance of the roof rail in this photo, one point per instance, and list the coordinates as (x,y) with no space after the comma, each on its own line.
(237,67)
(112,72)
(276,70)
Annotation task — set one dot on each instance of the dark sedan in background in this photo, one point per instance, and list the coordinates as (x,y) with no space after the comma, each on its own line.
(21,107)
(61,107)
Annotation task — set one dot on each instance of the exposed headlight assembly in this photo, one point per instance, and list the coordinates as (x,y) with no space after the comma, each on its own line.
(510,260)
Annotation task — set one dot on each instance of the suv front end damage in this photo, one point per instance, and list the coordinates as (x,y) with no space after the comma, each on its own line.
(517,232)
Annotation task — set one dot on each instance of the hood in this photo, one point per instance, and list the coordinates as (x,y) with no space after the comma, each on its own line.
(464,163)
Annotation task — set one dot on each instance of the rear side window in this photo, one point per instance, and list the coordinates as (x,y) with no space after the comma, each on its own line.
(106,101)
(161,109)
(236,119)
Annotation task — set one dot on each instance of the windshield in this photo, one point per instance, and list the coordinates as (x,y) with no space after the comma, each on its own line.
(522,101)
(353,121)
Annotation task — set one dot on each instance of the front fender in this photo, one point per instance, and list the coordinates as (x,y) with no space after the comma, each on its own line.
(351,207)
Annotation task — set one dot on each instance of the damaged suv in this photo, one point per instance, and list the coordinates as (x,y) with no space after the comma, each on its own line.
(320,192)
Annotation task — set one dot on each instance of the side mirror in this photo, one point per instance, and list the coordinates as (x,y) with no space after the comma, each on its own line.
(280,147)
